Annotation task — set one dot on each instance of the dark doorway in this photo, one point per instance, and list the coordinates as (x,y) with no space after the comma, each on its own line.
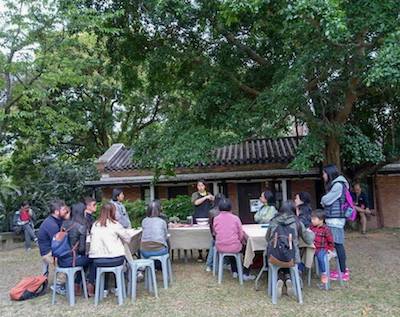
(246,192)
(319,192)
(174,191)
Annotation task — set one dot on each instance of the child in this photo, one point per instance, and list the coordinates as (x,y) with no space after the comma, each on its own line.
(323,241)
(229,236)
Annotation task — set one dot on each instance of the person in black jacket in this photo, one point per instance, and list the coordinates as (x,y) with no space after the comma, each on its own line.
(77,231)
(303,209)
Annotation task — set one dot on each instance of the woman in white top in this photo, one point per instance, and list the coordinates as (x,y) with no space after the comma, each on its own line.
(106,243)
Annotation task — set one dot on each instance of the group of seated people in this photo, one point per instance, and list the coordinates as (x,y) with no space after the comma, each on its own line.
(322,228)
(101,242)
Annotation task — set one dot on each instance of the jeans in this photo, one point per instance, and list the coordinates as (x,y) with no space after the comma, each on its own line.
(321,260)
(210,256)
(81,260)
(29,234)
(146,254)
(103,262)
(341,253)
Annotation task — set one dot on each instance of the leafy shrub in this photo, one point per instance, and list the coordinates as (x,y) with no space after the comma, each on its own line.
(180,207)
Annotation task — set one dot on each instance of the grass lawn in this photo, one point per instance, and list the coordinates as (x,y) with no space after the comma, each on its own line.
(374,289)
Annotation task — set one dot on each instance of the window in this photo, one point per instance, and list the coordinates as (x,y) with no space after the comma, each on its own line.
(174,191)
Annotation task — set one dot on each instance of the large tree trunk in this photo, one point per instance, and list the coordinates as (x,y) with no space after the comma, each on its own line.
(332,152)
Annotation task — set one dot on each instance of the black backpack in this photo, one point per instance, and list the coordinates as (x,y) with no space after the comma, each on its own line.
(280,249)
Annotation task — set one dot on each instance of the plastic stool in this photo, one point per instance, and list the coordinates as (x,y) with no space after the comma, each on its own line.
(149,266)
(273,279)
(238,258)
(120,280)
(215,261)
(165,266)
(328,271)
(263,269)
(69,286)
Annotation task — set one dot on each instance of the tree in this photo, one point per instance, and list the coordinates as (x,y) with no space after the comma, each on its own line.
(249,68)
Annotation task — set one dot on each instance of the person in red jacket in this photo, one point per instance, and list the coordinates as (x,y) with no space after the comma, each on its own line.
(323,241)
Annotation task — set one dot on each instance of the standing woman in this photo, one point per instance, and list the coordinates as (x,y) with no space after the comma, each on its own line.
(203,203)
(335,218)
(121,214)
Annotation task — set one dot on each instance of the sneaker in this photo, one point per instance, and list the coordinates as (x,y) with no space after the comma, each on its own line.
(199,259)
(248,277)
(324,278)
(139,276)
(279,287)
(60,289)
(208,269)
(234,275)
(289,288)
(334,275)
(346,276)
(227,267)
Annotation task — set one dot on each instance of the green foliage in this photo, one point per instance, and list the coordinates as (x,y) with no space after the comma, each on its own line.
(310,153)
(136,211)
(180,207)
(357,149)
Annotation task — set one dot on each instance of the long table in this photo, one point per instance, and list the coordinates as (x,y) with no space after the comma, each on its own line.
(255,235)
(191,237)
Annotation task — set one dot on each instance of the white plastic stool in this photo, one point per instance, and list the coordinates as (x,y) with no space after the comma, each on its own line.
(166,268)
(70,273)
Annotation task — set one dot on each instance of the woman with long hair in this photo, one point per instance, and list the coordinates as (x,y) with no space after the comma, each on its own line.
(335,185)
(154,232)
(106,243)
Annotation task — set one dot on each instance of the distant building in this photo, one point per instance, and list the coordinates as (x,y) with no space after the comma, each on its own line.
(242,171)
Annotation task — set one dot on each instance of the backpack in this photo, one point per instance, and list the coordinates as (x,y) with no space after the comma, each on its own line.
(60,246)
(280,249)
(347,204)
(29,287)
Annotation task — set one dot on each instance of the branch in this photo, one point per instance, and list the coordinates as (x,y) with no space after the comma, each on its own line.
(154,115)
(249,51)
(247,89)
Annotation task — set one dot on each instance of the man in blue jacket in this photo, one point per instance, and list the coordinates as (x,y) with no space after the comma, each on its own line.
(50,226)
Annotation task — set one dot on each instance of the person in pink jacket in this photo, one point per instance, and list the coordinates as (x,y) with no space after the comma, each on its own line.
(229,236)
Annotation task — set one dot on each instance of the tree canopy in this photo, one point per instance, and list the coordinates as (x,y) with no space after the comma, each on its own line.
(176,78)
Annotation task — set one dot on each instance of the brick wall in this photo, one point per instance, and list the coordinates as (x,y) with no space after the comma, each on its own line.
(388,199)
(306,185)
(233,196)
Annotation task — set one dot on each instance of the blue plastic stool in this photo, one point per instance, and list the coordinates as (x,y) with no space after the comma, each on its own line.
(120,281)
(273,279)
(215,261)
(263,269)
(165,266)
(328,271)
(69,286)
(238,258)
(134,265)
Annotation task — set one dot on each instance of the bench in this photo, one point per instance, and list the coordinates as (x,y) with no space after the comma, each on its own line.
(11,240)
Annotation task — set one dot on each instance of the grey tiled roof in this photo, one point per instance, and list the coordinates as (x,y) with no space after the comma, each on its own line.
(253,151)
